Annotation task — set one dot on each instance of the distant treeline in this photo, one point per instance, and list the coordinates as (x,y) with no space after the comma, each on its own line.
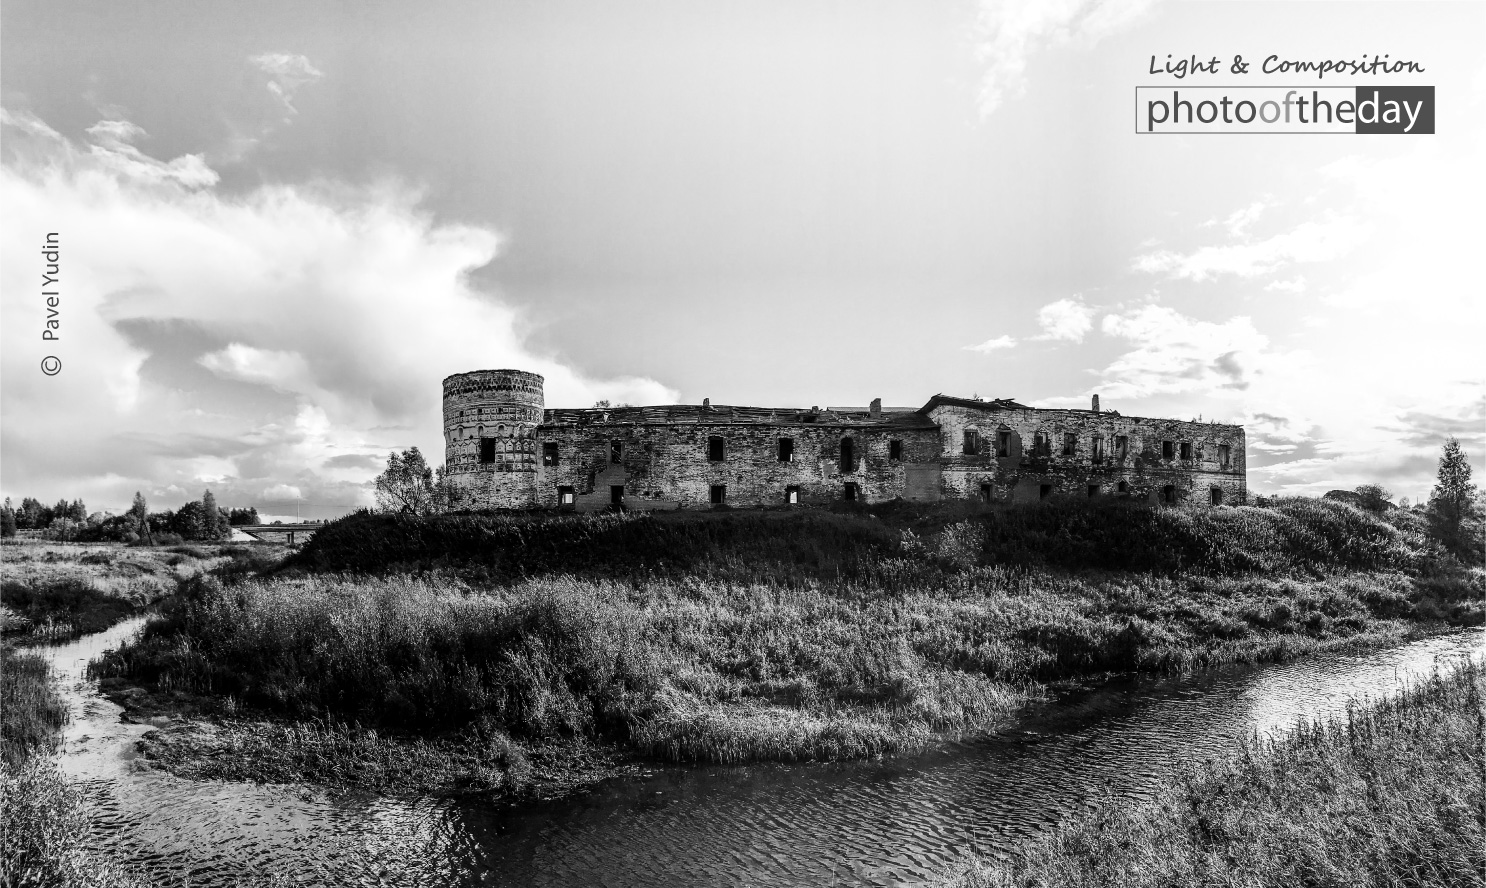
(71,521)
(1283,535)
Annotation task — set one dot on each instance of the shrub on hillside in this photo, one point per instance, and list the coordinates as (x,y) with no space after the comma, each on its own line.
(803,546)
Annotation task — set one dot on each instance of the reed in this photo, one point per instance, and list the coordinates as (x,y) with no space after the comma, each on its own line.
(44,831)
(31,714)
(1389,794)
(777,635)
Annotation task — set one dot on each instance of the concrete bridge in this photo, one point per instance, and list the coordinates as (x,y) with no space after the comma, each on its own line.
(288,534)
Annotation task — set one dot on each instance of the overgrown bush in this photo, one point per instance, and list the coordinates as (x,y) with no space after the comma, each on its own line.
(66,607)
(561,661)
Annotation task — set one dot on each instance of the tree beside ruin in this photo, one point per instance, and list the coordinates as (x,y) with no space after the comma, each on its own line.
(406,485)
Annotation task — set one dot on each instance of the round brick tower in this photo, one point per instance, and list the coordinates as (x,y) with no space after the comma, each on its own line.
(490,437)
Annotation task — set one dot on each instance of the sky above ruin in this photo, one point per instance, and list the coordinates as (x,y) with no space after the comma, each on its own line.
(283,223)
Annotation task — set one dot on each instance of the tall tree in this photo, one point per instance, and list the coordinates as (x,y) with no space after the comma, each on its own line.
(77,511)
(406,485)
(214,523)
(1452,503)
(7,519)
(207,517)
(32,515)
(139,516)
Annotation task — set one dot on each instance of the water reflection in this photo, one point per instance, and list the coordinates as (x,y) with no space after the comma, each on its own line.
(879,823)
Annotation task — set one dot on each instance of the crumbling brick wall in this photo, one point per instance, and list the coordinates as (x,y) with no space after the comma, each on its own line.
(1142,470)
(503,450)
(490,440)
(671,466)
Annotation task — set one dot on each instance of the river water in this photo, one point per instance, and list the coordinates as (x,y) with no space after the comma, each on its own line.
(894,822)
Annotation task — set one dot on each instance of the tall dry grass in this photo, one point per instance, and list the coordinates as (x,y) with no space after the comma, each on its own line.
(693,670)
(1391,794)
(55,591)
(43,821)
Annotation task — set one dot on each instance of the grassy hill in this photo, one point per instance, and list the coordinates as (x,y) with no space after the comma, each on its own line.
(769,635)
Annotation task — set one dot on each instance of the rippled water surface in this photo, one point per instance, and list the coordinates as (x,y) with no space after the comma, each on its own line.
(878,823)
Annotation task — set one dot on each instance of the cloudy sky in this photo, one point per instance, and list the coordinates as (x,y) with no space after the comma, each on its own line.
(283,223)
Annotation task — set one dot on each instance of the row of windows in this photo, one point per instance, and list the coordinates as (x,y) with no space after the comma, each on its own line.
(717,494)
(1168,494)
(850,492)
(717,452)
(1042,445)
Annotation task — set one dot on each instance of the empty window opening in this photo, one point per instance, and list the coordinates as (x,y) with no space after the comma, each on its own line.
(1042,445)
(716,449)
(1124,487)
(895,450)
(616,495)
(616,452)
(1168,493)
(1122,446)
(847,463)
(719,494)
(851,491)
(792,495)
(1003,444)
(985,492)
(1096,448)
(1070,444)
(786,449)
(1044,491)
(972,441)
(1093,490)
(1215,496)
(1168,450)
(549,454)
(1186,450)
(566,496)
(487,450)
(1224,455)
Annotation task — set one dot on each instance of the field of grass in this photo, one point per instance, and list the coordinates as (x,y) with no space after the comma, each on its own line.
(43,824)
(55,591)
(1389,795)
(760,636)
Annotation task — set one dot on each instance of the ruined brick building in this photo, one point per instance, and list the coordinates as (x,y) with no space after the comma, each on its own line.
(504,450)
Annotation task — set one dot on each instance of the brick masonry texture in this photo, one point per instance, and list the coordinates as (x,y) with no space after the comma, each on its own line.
(503,450)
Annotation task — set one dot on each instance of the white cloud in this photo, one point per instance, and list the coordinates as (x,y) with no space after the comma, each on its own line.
(1238,221)
(290,325)
(287,72)
(1295,285)
(991,345)
(113,148)
(1174,353)
(282,370)
(1066,319)
(1011,31)
(1319,240)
